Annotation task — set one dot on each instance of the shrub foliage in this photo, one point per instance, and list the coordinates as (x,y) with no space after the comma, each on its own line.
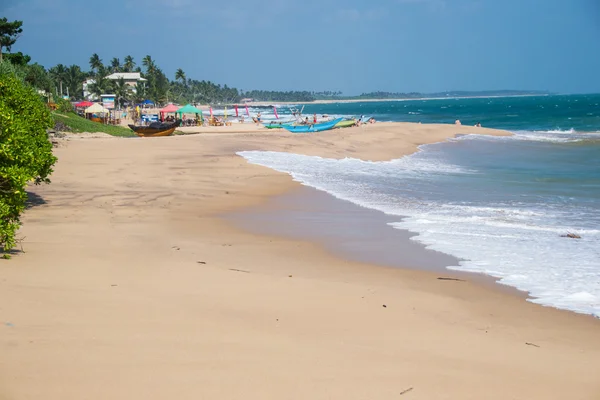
(25,152)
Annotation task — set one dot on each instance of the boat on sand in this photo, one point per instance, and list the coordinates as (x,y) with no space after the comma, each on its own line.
(345,123)
(324,126)
(155,129)
(276,125)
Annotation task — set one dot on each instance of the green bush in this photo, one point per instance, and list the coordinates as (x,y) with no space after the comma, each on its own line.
(64,106)
(25,152)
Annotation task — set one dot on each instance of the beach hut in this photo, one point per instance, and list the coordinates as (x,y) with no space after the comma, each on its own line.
(97,108)
(170,108)
(190,109)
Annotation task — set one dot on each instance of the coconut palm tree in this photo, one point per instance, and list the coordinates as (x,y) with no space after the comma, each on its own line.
(140,92)
(129,64)
(74,80)
(101,84)
(58,74)
(180,76)
(95,62)
(122,91)
(115,65)
(149,64)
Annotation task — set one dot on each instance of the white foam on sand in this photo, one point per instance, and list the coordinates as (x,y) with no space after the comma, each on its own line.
(521,246)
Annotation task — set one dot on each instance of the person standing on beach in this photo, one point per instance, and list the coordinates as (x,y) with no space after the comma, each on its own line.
(315,118)
(258,117)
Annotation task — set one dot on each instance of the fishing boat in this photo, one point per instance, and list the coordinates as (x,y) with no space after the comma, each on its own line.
(345,123)
(275,125)
(323,126)
(155,129)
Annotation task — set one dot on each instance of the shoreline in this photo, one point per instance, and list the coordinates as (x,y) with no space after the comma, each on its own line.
(307,214)
(271,103)
(131,276)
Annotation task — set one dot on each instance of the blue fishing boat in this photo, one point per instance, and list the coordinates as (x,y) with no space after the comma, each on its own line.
(323,126)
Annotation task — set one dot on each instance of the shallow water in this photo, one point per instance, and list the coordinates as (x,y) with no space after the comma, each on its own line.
(499,203)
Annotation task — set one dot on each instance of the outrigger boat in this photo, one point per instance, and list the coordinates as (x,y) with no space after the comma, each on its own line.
(275,125)
(345,123)
(155,129)
(323,126)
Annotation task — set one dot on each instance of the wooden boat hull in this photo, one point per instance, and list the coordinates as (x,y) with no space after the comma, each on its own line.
(148,131)
(324,126)
(168,132)
(345,123)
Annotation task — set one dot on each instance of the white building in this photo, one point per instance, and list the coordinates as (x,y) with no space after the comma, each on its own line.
(131,79)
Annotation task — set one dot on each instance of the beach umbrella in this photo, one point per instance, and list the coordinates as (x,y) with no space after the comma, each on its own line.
(236,111)
(275,111)
(247,112)
(84,104)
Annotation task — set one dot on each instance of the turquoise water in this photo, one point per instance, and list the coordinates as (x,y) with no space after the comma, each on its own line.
(538,113)
(500,204)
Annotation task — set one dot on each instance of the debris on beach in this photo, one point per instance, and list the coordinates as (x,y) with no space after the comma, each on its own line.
(571,235)
(405,391)
(441,278)
(239,270)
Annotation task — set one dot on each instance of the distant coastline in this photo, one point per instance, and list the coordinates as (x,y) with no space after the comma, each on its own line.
(373,100)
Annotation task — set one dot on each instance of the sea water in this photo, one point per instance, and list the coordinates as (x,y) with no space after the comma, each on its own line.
(502,205)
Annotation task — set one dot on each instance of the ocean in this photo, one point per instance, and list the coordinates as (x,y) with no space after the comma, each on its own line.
(501,205)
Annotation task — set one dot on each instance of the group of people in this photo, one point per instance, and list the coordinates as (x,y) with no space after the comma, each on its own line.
(477,125)
(361,121)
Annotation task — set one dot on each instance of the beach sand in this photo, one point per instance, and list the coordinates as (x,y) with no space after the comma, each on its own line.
(134,286)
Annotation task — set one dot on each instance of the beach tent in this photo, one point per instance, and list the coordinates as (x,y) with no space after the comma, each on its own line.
(84,104)
(96,108)
(188,109)
(170,108)
(147,102)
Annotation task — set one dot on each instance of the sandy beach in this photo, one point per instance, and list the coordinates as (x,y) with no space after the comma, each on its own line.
(133,285)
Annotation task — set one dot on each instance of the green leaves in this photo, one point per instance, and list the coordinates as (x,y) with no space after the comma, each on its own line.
(25,151)
(9,32)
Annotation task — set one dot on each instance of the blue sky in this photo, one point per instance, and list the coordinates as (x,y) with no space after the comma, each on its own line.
(348,45)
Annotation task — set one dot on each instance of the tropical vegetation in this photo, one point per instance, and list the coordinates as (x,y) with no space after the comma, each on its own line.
(71,122)
(25,151)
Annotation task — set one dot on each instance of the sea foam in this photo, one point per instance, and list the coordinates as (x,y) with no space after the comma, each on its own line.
(518,242)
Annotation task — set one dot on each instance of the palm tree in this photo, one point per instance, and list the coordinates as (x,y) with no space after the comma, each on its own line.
(180,76)
(140,92)
(149,64)
(122,91)
(95,62)
(101,84)
(58,73)
(74,80)
(115,64)
(129,64)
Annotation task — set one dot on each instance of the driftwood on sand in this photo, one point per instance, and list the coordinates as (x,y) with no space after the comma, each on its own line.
(571,235)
